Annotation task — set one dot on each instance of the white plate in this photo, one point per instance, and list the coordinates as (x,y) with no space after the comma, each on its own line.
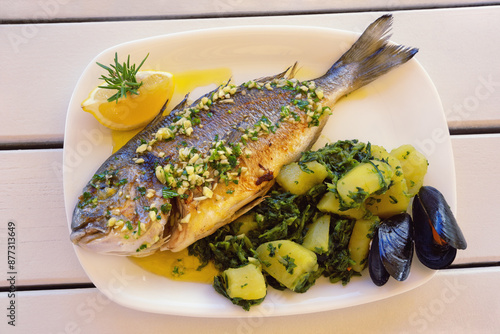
(402,107)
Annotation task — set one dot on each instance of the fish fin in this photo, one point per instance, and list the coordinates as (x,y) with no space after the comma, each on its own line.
(372,55)
(258,198)
(181,105)
(247,208)
(159,116)
(291,70)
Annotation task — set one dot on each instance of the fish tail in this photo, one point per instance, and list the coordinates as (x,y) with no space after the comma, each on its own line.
(372,55)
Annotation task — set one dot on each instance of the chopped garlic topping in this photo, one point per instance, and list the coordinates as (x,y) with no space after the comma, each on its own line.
(142,148)
(111,221)
(207,192)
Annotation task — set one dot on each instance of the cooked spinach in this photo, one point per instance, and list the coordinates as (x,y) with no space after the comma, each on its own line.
(283,215)
(337,262)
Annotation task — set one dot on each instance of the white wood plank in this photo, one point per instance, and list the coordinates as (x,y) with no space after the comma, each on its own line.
(64,9)
(32,197)
(477,196)
(454,301)
(42,62)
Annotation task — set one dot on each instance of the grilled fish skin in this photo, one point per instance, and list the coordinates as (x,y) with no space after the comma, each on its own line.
(206,163)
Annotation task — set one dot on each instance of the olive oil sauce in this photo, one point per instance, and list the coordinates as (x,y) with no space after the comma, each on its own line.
(180,265)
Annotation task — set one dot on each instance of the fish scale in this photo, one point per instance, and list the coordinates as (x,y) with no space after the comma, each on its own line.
(200,167)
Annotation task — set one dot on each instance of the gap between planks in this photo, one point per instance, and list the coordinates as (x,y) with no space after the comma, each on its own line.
(72,286)
(481,129)
(232,11)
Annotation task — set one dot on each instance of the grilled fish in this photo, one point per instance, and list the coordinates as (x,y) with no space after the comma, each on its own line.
(200,167)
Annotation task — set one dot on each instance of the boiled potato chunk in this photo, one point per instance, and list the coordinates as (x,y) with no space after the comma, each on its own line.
(363,180)
(330,203)
(245,223)
(395,200)
(359,244)
(379,152)
(246,282)
(293,179)
(288,262)
(317,236)
(414,166)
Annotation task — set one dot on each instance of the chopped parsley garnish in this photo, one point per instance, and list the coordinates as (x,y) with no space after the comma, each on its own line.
(141,191)
(301,104)
(129,225)
(148,208)
(272,250)
(87,199)
(165,208)
(289,264)
(143,246)
(138,227)
(121,182)
(167,193)
(177,271)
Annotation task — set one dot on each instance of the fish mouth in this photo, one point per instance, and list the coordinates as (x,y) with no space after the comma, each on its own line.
(97,241)
(108,241)
(117,225)
(84,236)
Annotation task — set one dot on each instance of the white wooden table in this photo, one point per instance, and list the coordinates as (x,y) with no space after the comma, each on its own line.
(44,47)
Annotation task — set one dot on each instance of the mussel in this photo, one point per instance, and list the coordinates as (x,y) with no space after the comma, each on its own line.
(378,273)
(436,232)
(392,249)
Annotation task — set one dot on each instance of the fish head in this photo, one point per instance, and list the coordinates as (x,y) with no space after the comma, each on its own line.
(121,211)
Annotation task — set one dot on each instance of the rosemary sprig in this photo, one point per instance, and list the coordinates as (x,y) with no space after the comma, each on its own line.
(122,78)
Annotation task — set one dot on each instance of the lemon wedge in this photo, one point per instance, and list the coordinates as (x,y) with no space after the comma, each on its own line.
(132,111)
